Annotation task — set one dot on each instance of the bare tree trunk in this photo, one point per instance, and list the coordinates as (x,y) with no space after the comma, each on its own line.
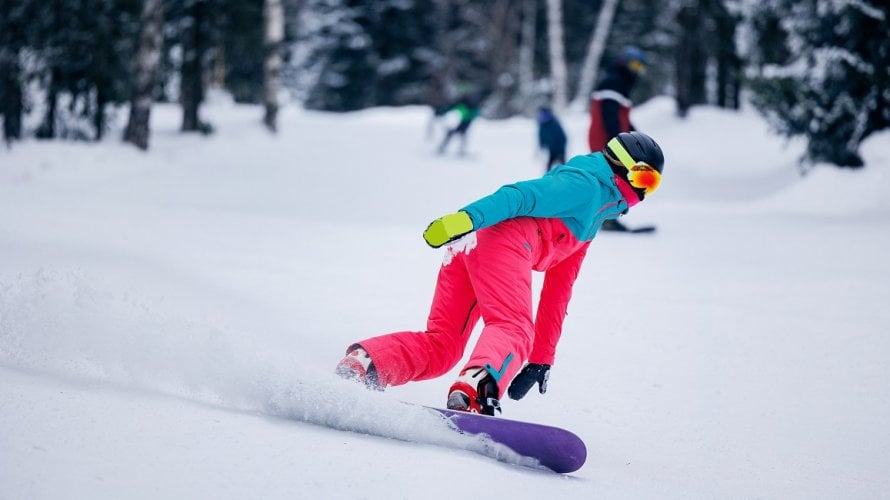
(47,128)
(558,72)
(595,53)
(503,36)
(194,47)
(99,118)
(274,37)
(147,61)
(527,54)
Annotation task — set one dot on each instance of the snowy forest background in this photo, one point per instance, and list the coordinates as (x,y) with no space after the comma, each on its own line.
(170,318)
(817,68)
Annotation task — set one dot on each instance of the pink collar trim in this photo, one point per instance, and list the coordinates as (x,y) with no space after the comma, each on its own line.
(630,196)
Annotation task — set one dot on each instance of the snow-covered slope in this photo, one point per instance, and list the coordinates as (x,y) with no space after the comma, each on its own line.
(169,321)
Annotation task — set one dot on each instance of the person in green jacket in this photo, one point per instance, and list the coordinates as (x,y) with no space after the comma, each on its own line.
(467,108)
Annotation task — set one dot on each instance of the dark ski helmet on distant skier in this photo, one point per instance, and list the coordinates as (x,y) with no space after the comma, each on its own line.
(633,59)
(638,159)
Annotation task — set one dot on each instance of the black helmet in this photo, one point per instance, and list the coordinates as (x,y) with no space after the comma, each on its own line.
(640,147)
(628,149)
(633,59)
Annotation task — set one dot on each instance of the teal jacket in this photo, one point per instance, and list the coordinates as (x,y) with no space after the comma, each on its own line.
(581,193)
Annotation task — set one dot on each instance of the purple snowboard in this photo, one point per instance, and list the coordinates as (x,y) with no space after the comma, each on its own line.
(557,449)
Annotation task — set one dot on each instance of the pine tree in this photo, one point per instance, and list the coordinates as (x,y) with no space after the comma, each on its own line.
(240,49)
(400,33)
(829,79)
(467,45)
(339,62)
(353,54)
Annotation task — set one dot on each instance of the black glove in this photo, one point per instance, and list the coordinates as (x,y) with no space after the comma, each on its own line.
(526,378)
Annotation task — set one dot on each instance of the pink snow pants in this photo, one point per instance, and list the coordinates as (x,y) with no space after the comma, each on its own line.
(492,280)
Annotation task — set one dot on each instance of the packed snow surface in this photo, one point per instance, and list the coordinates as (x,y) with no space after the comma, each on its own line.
(170,320)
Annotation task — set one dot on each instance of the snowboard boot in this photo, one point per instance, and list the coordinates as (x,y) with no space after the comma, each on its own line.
(357,366)
(475,391)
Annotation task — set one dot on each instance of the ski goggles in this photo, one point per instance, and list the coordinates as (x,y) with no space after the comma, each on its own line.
(640,174)
(637,66)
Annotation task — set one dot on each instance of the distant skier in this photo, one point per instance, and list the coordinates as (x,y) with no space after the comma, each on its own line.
(467,107)
(545,225)
(551,137)
(610,105)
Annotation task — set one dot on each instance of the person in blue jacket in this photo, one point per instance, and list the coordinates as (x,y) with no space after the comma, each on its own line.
(544,225)
(551,137)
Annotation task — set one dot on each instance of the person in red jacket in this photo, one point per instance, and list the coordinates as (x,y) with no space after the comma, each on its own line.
(610,105)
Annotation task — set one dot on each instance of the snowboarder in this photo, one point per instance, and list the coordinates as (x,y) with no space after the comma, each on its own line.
(610,105)
(545,225)
(551,137)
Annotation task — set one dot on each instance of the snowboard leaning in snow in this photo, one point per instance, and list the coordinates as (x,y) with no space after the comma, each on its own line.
(557,449)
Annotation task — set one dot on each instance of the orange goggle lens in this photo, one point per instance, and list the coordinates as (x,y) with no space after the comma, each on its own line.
(637,67)
(643,176)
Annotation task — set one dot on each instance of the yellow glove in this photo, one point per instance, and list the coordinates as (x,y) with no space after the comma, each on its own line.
(446,229)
